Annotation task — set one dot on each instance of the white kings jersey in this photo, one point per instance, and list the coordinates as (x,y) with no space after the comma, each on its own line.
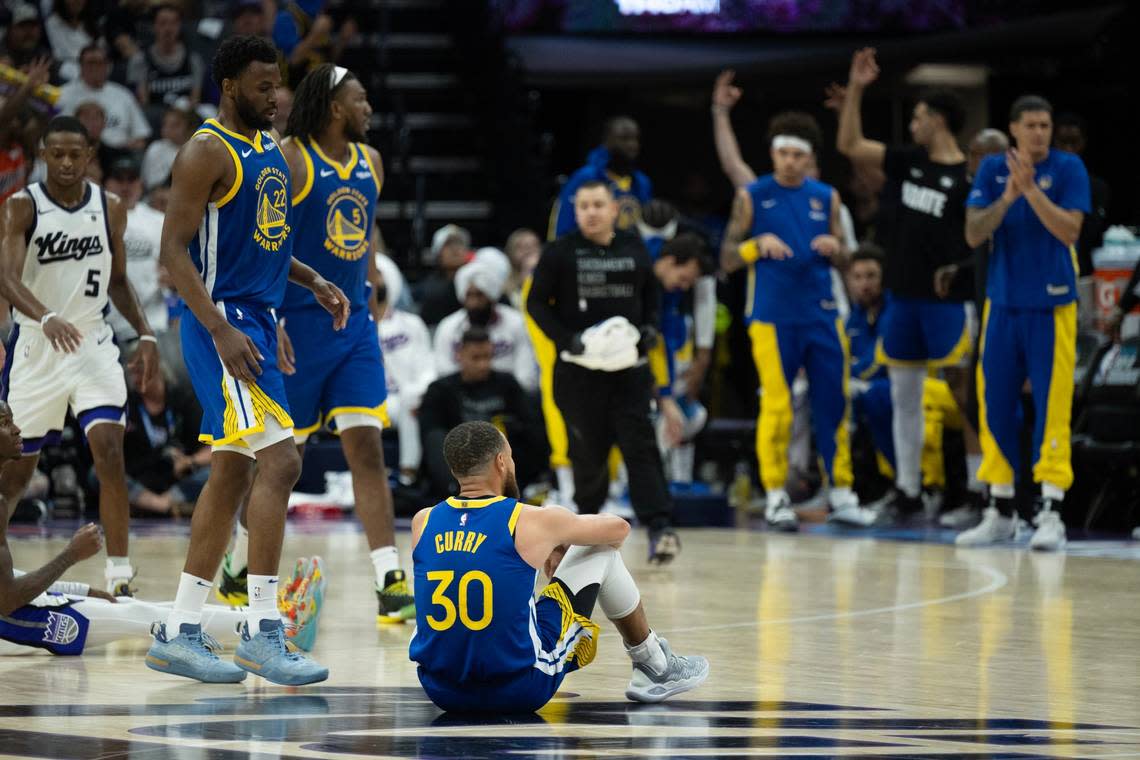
(68,263)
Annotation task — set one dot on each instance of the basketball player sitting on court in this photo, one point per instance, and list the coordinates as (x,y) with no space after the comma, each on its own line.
(483,642)
(38,610)
(63,257)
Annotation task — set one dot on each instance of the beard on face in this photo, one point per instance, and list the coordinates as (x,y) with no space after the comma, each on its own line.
(480,317)
(511,487)
(250,115)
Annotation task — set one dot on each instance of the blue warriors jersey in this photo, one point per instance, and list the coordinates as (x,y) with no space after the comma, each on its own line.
(863,337)
(1029,267)
(333,214)
(244,245)
(676,310)
(797,289)
(475,609)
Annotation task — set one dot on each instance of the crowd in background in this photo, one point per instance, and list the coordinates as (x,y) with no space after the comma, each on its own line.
(457,344)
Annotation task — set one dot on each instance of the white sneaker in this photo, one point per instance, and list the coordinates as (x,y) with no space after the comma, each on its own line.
(780,515)
(993,529)
(960,517)
(1050,533)
(681,674)
(853,514)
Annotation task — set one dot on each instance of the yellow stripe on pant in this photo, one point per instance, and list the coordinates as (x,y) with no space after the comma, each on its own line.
(995,468)
(1054,463)
(774,428)
(545,354)
(939,411)
(842,474)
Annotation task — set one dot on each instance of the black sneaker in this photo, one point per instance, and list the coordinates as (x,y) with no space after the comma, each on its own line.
(897,507)
(395,600)
(234,588)
(664,546)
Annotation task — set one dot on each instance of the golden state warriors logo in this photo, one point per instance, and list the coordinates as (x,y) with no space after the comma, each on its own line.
(272,207)
(346,224)
(816,204)
(629,212)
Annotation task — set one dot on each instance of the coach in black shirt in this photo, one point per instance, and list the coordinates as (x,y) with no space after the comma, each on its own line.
(584,278)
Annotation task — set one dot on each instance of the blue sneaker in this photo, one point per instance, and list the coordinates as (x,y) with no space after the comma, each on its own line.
(267,655)
(192,654)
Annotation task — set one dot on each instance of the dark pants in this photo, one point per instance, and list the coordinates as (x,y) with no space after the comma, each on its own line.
(606,408)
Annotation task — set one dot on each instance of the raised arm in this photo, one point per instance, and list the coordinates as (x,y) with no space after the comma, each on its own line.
(725,96)
(850,140)
(123,295)
(739,225)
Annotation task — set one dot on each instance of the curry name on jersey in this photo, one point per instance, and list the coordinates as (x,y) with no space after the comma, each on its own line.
(68,260)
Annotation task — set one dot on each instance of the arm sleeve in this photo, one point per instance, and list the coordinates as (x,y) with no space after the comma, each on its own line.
(982,193)
(704,312)
(544,288)
(1075,194)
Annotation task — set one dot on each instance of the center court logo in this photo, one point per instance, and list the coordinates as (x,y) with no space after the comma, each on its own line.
(272,208)
(346,224)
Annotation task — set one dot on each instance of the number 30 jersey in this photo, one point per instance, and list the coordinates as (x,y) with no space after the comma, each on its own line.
(475,610)
(68,262)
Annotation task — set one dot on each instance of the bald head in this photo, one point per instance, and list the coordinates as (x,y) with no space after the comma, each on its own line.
(985,143)
(623,140)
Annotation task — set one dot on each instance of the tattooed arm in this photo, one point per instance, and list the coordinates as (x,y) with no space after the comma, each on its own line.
(739,225)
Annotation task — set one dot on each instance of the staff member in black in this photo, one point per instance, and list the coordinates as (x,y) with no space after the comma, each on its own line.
(587,277)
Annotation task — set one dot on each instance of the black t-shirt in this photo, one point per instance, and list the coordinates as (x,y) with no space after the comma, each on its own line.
(928,230)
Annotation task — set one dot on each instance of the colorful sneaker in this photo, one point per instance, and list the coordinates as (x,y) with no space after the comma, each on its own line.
(234,588)
(119,580)
(395,600)
(267,654)
(681,674)
(191,654)
(301,601)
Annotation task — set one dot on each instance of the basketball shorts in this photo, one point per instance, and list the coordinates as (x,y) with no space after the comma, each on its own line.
(40,383)
(50,621)
(235,414)
(919,331)
(339,380)
(568,641)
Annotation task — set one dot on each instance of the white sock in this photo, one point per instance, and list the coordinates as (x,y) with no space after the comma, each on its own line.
(188,602)
(649,653)
(239,557)
(973,464)
(907,427)
(262,601)
(1050,491)
(1001,490)
(118,567)
(384,560)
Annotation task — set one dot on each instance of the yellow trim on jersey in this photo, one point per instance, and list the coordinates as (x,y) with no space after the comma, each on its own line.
(367,154)
(308,430)
(379,412)
(262,405)
(587,647)
(343,171)
(995,469)
(303,193)
(238,173)
(514,517)
(459,503)
(255,142)
(623,183)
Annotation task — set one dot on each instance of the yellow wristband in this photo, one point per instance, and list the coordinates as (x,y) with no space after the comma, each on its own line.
(749,251)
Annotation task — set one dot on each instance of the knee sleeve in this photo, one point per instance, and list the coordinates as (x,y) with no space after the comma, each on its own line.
(600,567)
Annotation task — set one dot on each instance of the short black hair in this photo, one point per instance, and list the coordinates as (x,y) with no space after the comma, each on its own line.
(590,184)
(475,335)
(796,124)
(470,446)
(612,123)
(236,53)
(312,102)
(88,48)
(1070,119)
(948,105)
(1029,104)
(869,252)
(66,124)
(167,6)
(686,247)
(657,213)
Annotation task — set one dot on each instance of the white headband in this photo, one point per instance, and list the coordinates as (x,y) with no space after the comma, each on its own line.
(790,141)
(337,76)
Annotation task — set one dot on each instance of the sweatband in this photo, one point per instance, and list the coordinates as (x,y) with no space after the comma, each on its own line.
(790,141)
(336,76)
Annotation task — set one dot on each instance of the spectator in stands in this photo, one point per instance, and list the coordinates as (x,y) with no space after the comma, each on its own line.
(177,126)
(70,28)
(477,392)
(1070,133)
(450,249)
(479,286)
(523,249)
(141,238)
(127,127)
(19,135)
(23,39)
(614,163)
(166,464)
(248,17)
(404,342)
(166,72)
(123,28)
(304,34)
